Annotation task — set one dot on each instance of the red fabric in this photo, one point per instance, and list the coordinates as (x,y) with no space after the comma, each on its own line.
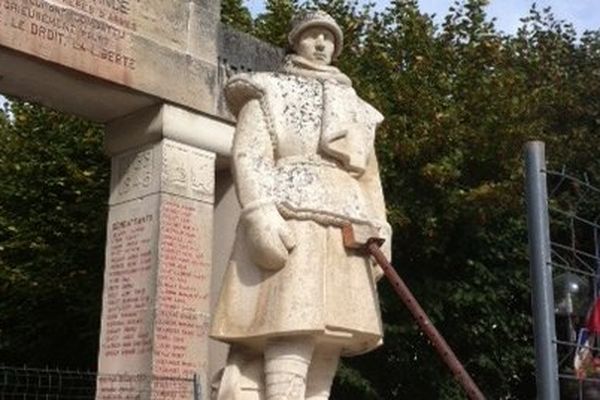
(593,323)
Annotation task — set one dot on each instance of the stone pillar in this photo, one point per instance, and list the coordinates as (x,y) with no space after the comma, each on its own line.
(159,252)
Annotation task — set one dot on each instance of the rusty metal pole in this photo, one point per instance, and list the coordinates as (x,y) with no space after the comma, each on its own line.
(425,323)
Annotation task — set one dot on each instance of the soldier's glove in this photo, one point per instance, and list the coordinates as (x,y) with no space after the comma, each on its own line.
(269,239)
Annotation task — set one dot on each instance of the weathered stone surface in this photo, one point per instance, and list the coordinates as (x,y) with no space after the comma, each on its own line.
(66,90)
(294,298)
(165,121)
(137,170)
(243,52)
(155,49)
(129,291)
(226,216)
(102,37)
(156,301)
(240,52)
(136,44)
(170,168)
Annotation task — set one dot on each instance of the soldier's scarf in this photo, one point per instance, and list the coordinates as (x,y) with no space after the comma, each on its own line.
(296,65)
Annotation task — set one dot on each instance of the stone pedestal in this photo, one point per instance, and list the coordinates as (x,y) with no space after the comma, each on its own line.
(157,282)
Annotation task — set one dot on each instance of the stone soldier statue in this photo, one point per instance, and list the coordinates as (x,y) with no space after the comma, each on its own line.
(294,299)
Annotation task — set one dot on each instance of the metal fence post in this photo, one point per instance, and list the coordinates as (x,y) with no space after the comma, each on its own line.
(196,388)
(541,272)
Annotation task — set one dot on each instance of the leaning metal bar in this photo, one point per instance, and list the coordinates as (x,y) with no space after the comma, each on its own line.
(437,340)
(541,272)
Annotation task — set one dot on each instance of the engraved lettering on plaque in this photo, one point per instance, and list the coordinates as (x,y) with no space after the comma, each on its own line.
(127,294)
(183,290)
(97,30)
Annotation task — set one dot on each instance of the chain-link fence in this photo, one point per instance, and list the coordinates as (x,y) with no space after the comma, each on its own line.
(25,383)
(564,239)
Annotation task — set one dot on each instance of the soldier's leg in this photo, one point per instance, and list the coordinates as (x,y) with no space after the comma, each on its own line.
(321,372)
(244,365)
(286,365)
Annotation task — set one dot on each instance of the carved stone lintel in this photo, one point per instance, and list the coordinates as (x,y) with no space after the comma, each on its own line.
(166,121)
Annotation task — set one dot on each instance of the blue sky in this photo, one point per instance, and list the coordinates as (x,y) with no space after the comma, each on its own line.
(584,14)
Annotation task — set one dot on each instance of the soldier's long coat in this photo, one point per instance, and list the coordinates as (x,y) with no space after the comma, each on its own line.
(306,145)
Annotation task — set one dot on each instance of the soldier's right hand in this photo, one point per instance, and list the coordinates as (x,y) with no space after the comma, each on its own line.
(269,239)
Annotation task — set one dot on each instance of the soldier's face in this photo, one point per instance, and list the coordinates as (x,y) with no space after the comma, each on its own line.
(316,44)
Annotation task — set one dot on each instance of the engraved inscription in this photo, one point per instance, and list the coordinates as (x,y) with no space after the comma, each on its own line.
(176,338)
(183,264)
(128,301)
(183,290)
(122,387)
(96,29)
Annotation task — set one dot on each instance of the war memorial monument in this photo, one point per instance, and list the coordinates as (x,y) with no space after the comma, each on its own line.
(154,73)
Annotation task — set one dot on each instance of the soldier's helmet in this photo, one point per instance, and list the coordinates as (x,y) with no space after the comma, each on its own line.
(320,18)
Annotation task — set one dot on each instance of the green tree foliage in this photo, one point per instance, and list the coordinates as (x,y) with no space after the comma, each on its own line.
(234,14)
(450,152)
(53,192)
(273,25)
(460,99)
